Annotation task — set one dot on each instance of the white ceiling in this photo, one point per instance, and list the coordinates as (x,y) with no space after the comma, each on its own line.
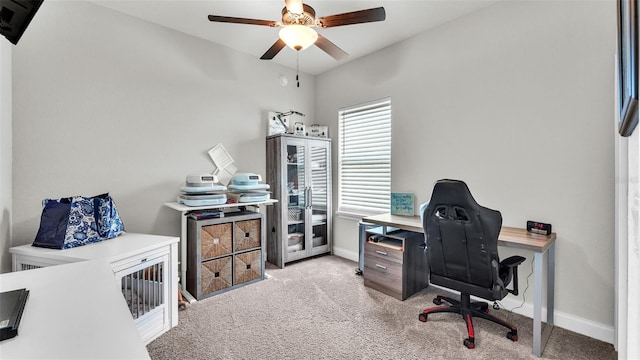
(404,19)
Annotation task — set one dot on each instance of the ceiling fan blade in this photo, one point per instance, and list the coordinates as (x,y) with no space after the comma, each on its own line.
(235,20)
(330,48)
(273,50)
(355,17)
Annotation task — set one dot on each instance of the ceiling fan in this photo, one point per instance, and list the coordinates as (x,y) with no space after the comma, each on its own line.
(297,24)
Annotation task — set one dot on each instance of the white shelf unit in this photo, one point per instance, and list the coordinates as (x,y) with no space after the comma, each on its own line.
(145,269)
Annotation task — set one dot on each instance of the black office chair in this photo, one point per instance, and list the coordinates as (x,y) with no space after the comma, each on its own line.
(462,248)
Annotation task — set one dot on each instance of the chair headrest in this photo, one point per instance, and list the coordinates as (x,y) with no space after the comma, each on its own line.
(452,192)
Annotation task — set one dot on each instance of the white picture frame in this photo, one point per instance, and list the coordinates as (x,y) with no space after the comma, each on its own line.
(274,125)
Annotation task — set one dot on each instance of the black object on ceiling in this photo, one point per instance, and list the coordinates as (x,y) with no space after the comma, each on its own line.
(15,16)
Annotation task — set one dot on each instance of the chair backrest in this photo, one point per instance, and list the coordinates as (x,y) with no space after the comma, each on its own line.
(461,236)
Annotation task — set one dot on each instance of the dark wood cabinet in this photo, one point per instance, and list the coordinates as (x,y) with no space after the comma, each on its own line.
(299,172)
(395,262)
(224,253)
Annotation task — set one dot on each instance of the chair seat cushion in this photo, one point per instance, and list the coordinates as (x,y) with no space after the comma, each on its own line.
(467,288)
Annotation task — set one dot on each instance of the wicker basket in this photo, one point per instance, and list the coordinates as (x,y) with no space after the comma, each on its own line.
(216,240)
(246,235)
(215,275)
(294,214)
(247,267)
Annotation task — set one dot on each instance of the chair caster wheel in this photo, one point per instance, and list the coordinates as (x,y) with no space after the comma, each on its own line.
(422,317)
(469,343)
(437,301)
(512,335)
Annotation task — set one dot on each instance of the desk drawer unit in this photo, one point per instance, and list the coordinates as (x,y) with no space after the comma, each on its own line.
(395,265)
(383,269)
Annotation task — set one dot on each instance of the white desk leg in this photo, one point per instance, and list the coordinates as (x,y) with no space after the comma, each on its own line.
(540,335)
(551,268)
(183,258)
(183,249)
(551,276)
(537,303)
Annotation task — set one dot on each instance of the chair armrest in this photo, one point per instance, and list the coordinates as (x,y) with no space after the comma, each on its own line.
(513,261)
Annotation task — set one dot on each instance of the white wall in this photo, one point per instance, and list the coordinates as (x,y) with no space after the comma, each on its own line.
(5,154)
(627,245)
(517,101)
(106,102)
(633,248)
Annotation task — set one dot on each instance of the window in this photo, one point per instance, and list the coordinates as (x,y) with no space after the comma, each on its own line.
(364,163)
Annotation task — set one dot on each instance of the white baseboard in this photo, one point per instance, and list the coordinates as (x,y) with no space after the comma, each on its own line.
(349,255)
(565,320)
(561,319)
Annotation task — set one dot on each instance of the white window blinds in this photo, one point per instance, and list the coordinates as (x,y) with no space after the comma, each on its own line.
(364,166)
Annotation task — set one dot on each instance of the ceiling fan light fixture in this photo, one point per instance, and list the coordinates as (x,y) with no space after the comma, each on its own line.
(298,37)
(294,6)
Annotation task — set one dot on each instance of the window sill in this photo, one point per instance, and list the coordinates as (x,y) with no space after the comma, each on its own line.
(353,216)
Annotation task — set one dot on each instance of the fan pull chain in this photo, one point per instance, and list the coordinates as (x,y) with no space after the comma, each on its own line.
(298,68)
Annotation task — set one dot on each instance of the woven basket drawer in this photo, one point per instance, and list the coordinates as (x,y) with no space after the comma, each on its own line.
(215,240)
(215,275)
(246,234)
(248,266)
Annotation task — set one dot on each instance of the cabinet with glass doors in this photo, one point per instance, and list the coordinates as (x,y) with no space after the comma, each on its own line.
(299,173)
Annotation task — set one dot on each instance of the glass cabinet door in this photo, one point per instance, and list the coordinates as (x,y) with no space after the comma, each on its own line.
(318,193)
(296,204)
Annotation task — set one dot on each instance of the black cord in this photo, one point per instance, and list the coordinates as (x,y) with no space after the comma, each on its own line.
(523,292)
(298,68)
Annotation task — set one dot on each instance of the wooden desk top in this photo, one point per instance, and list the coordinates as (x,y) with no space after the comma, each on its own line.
(509,236)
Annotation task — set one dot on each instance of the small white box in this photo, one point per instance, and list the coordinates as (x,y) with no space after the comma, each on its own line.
(319,131)
(298,129)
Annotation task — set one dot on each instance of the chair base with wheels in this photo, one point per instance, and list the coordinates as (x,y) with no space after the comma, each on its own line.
(468,309)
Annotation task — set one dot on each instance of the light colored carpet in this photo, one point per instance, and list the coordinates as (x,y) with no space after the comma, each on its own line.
(319,309)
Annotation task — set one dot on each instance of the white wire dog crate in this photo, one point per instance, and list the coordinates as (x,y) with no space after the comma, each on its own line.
(145,269)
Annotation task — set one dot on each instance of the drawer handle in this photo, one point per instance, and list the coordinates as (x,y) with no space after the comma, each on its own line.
(143,260)
(381,252)
(381,267)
